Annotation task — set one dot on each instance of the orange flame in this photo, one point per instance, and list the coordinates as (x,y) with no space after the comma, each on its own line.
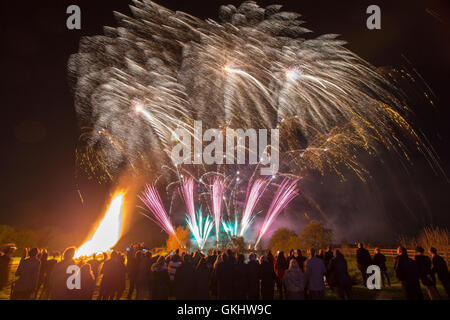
(108,231)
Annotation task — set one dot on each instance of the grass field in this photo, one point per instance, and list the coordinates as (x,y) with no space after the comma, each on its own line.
(359,291)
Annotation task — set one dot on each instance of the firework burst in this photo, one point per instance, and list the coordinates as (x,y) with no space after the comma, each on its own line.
(152,200)
(257,68)
(286,192)
(200,228)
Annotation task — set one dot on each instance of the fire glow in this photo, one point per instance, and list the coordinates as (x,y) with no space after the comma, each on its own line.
(108,231)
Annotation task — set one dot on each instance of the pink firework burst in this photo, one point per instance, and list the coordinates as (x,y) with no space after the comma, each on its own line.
(187,191)
(286,192)
(151,198)
(253,195)
(217,192)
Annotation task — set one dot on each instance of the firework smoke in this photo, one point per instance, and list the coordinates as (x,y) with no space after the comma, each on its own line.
(160,70)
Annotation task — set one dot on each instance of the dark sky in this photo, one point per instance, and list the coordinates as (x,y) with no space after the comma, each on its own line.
(39,125)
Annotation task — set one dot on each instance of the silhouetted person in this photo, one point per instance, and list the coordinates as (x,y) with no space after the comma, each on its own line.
(132,269)
(270,258)
(213,283)
(202,280)
(379,260)
(144,275)
(87,283)
(300,259)
(28,273)
(240,279)
(267,277)
(253,277)
(59,276)
(223,275)
(109,271)
(46,270)
(321,255)
(338,276)
(160,280)
(440,268)
(328,255)
(291,256)
(294,282)
(5,263)
(185,280)
(280,268)
(121,277)
(407,273)
(174,264)
(363,260)
(95,265)
(315,271)
(424,267)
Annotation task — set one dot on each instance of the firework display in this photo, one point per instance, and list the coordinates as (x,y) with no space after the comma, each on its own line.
(258,68)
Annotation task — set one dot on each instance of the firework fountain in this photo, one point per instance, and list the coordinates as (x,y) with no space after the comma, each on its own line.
(151,198)
(253,195)
(218,188)
(286,192)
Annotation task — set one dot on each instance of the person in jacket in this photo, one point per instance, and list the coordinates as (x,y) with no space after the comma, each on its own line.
(379,260)
(440,268)
(202,280)
(121,277)
(240,278)
(294,282)
(184,280)
(338,276)
(280,268)
(408,274)
(143,275)
(174,264)
(267,276)
(321,255)
(110,272)
(132,266)
(160,280)
(87,283)
(5,264)
(213,283)
(363,260)
(28,272)
(300,259)
(426,277)
(315,271)
(59,276)
(223,275)
(328,255)
(253,288)
(48,268)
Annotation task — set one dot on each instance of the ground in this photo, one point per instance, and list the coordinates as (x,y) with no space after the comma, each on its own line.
(359,292)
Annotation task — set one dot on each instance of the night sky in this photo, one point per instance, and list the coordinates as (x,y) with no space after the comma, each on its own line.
(40,130)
